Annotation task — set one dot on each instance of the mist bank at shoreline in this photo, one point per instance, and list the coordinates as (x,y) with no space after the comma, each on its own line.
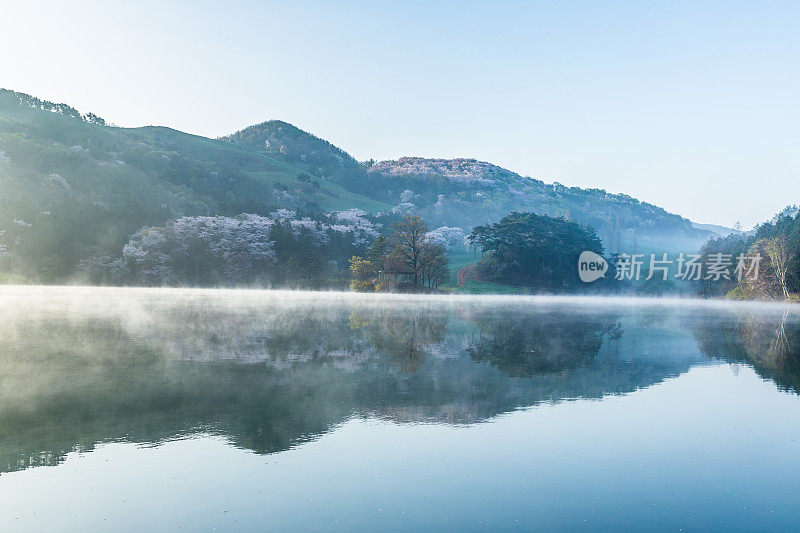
(252,296)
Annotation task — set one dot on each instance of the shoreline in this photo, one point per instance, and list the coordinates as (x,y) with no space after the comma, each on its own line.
(300,295)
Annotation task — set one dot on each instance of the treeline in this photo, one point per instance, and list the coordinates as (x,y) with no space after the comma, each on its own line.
(282,249)
(26,100)
(777,244)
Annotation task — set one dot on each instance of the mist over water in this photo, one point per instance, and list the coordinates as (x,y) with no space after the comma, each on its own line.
(601,410)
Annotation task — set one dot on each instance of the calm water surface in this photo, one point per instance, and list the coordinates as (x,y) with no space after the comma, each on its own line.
(159,410)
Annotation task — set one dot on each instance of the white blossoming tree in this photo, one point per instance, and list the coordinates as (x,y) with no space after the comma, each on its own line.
(447,237)
(281,248)
(201,250)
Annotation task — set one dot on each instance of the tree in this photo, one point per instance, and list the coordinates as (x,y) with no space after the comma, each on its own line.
(202,250)
(362,274)
(393,266)
(447,237)
(13,241)
(410,251)
(433,265)
(3,247)
(778,254)
(378,251)
(307,268)
(407,242)
(526,249)
(732,246)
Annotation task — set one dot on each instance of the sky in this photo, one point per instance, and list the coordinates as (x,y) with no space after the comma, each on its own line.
(693,106)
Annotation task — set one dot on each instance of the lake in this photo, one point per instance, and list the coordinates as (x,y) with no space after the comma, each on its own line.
(168,409)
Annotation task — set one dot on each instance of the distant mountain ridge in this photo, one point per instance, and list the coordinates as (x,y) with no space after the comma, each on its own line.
(717,230)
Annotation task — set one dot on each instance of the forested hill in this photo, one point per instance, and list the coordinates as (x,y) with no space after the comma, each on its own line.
(73,188)
(466,192)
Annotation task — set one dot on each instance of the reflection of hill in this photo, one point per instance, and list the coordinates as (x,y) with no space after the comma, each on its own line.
(268,374)
(768,341)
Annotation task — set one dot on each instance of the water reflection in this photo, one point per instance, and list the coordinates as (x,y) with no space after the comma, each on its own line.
(769,342)
(528,344)
(80,367)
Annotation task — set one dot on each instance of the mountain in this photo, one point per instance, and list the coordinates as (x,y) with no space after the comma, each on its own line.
(294,146)
(466,192)
(73,187)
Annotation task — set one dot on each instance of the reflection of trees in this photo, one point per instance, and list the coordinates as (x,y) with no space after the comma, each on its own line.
(769,341)
(405,337)
(524,344)
(267,375)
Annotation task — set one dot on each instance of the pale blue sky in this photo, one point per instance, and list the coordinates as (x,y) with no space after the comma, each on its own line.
(689,105)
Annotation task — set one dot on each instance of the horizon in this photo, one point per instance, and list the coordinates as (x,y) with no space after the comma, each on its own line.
(586,96)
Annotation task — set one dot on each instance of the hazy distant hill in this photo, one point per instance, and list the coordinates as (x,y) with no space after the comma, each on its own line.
(717,230)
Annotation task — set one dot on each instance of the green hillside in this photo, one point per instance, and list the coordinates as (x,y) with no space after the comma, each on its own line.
(73,187)
(294,146)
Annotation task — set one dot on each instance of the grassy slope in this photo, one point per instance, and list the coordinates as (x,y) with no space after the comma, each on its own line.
(458,259)
(484,287)
(330,197)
